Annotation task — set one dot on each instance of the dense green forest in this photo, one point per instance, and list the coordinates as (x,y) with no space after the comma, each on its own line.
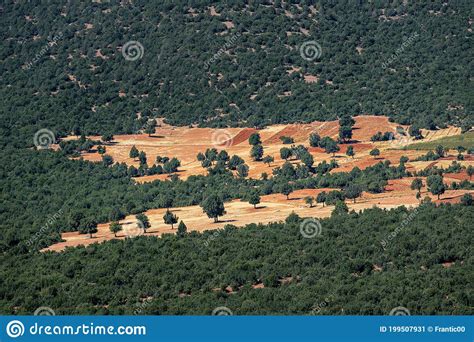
(62,67)
(345,267)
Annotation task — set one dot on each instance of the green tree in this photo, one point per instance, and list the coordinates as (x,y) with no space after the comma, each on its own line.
(470,171)
(350,151)
(134,152)
(307,159)
(375,153)
(417,184)
(101,149)
(107,160)
(415,132)
(170,218)
(150,127)
(436,185)
(115,227)
(254,198)
(340,208)
(345,133)
(309,200)
(352,191)
(466,200)
(314,140)
(107,137)
(213,206)
(286,189)
(268,160)
(223,156)
(256,152)
(331,147)
(242,170)
(285,153)
(440,151)
(142,158)
(89,226)
(182,229)
(200,157)
(321,198)
(143,221)
(287,140)
(234,162)
(254,139)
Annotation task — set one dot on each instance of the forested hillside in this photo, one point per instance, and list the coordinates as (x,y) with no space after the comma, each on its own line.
(231,63)
(262,269)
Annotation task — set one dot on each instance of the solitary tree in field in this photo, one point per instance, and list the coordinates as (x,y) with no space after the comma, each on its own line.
(309,200)
(107,137)
(170,218)
(436,185)
(331,146)
(286,189)
(350,152)
(115,227)
(213,206)
(144,222)
(256,152)
(254,139)
(182,229)
(134,152)
(254,198)
(417,184)
(314,140)
(470,171)
(101,149)
(268,160)
(150,127)
(375,153)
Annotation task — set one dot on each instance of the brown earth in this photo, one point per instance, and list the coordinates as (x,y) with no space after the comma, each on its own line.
(273,208)
(185,143)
